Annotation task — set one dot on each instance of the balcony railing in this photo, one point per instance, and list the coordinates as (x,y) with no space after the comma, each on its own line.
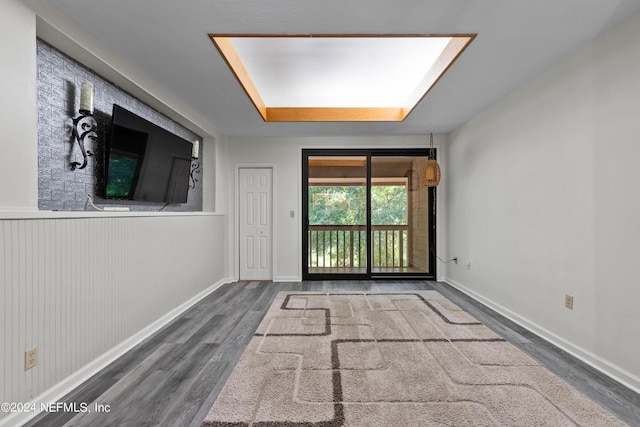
(344,246)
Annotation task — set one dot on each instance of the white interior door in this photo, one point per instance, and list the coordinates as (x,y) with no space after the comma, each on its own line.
(255,224)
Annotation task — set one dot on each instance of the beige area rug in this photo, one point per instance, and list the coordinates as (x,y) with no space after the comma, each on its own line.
(390,359)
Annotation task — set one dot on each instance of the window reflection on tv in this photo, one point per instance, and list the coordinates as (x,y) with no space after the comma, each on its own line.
(122,175)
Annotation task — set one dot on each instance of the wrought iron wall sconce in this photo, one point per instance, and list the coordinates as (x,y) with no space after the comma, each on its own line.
(195,164)
(84,125)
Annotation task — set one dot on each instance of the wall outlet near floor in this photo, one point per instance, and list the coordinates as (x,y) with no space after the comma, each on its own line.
(469,265)
(568,301)
(30,358)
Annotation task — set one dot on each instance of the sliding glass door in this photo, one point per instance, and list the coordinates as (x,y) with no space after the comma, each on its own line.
(366,214)
(337,215)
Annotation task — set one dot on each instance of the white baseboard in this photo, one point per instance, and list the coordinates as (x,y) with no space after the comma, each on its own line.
(287,279)
(619,374)
(61,389)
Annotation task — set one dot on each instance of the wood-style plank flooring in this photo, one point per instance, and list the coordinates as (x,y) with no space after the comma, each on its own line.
(173,377)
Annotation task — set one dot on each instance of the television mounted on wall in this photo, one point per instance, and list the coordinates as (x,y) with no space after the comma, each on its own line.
(145,162)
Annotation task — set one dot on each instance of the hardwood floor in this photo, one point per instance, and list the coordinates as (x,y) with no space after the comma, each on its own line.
(173,377)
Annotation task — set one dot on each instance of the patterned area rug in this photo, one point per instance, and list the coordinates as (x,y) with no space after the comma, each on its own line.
(390,359)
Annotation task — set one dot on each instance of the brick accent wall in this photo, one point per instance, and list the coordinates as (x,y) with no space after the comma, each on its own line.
(60,188)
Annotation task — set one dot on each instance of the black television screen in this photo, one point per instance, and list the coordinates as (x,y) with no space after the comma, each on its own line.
(145,162)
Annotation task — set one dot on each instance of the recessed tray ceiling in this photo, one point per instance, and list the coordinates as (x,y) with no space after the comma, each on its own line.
(338,78)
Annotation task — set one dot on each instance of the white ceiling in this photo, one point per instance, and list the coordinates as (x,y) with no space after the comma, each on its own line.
(517,39)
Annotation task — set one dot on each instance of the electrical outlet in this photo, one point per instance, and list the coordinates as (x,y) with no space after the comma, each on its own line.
(469,265)
(30,358)
(568,301)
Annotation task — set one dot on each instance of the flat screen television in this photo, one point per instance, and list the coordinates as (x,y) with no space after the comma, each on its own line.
(145,162)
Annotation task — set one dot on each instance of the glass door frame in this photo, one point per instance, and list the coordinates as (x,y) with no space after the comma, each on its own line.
(369,153)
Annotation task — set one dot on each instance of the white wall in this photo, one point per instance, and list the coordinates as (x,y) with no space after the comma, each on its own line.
(543,201)
(285,154)
(84,287)
(18,112)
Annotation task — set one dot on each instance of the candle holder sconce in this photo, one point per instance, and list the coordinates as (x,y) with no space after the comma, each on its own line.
(84,125)
(84,128)
(195,164)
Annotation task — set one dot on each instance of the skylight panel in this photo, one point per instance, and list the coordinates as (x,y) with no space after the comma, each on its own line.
(338,78)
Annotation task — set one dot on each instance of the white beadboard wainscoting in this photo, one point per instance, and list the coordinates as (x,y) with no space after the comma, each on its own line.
(78,288)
